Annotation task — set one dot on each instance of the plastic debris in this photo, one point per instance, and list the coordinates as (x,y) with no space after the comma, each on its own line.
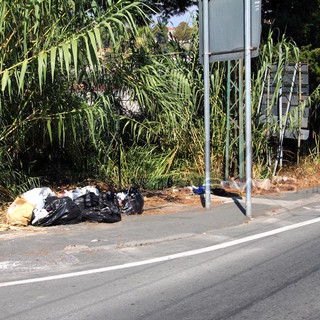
(60,211)
(66,193)
(37,196)
(133,202)
(121,195)
(99,209)
(42,207)
(88,200)
(82,191)
(200,190)
(37,215)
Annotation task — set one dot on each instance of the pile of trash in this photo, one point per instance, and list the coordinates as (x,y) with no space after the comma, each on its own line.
(42,207)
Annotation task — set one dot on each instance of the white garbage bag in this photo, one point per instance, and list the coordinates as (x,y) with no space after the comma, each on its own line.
(37,196)
(38,214)
(80,192)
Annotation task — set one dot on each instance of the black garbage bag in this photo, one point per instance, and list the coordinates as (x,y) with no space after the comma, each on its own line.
(133,202)
(104,209)
(88,200)
(109,200)
(60,211)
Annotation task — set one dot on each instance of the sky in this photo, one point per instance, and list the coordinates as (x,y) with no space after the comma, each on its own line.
(187,17)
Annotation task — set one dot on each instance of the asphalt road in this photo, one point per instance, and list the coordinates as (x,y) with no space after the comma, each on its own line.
(268,276)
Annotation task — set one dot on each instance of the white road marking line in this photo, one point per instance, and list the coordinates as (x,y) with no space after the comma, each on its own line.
(164,258)
(307,208)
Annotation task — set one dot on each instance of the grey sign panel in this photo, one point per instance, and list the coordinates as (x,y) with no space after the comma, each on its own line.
(274,115)
(287,79)
(270,107)
(294,134)
(286,89)
(226,29)
(294,100)
(290,68)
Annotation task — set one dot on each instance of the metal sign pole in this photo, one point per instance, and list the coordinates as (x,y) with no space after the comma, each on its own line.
(299,115)
(248,105)
(206,57)
(241,143)
(228,45)
(280,107)
(226,175)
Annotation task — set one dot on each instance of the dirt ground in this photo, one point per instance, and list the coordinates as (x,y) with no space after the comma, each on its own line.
(177,199)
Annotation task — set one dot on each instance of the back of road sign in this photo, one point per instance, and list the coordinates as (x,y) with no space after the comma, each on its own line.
(226,29)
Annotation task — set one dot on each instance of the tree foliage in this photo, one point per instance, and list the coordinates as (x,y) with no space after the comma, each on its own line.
(183,32)
(50,58)
(298,19)
(169,8)
(160,31)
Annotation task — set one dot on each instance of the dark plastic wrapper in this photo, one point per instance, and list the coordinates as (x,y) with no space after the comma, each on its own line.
(104,209)
(60,211)
(133,202)
(88,200)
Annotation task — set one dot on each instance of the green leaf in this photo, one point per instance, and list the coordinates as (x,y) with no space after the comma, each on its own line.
(3,9)
(61,58)
(25,31)
(98,37)
(60,124)
(74,45)
(22,75)
(4,81)
(41,68)
(88,52)
(9,87)
(67,58)
(49,130)
(94,45)
(45,64)
(53,57)
(111,34)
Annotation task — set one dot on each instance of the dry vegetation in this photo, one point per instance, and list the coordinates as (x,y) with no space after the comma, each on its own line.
(168,201)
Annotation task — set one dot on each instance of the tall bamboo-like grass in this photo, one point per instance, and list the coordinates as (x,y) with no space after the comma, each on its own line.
(168,137)
(53,53)
(50,57)
(263,151)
